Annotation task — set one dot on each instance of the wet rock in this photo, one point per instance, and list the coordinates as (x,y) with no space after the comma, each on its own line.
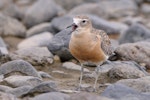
(18,66)
(102,9)
(34,55)
(72,66)
(17,81)
(52,96)
(44,75)
(7,96)
(39,40)
(20,91)
(140,84)
(48,86)
(37,14)
(122,92)
(137,32)
(125,70)
(43,27)
(87,96)
(11,27)
(138,52)
(58,45)
(3,47)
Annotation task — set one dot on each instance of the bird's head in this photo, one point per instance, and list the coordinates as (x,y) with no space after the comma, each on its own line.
(81,23)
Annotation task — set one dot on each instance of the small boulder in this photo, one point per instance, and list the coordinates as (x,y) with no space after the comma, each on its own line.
(40,40)
(34,55)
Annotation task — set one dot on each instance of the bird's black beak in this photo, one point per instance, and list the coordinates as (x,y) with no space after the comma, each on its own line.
(71,25)
(74,26)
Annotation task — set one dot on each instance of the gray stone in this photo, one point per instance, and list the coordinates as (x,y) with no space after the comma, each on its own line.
(116,70)
(43,27)
(3,47)
(18,66)
(4,3)
(20,91)
(4,88)
(72,66)
(108,9)
(122,92)
(52,96)
(145,8)
(39,40)
(34,55)
(7,96)
(58,45)
(12,10)
(11,27)
(136,32)
(44,75)
(87,96)
(140,84)
(125,70)
(138,52)
(17,81)
(37,14)
(48,86)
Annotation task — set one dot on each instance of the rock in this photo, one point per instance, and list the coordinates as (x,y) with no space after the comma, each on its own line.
(72,66)
(4,88)
(18,81)
(11,27)
(34,55)
(12,10)
(136,32)
(87,96)
(44,75)
(4,3)
(145,8)
(52,96)
(99,23)
(140,84)
(48,86)
(125,70)
(18,66)
(3,47)
(116,70)
(107,9)
(7,96)
(37,14)
(43,27)
(20,91)
(65,22)
(138,52)
(122,92)
(58,45)
(40,40)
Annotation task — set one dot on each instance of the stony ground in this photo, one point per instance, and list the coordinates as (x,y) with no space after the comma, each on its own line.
(35,63)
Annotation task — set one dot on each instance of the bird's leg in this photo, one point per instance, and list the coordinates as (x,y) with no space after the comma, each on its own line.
(96,77)
(81,75)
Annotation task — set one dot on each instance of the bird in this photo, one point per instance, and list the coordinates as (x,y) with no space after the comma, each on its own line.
(89,45)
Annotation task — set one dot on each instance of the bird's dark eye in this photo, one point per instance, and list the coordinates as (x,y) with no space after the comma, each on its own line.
(83,21)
